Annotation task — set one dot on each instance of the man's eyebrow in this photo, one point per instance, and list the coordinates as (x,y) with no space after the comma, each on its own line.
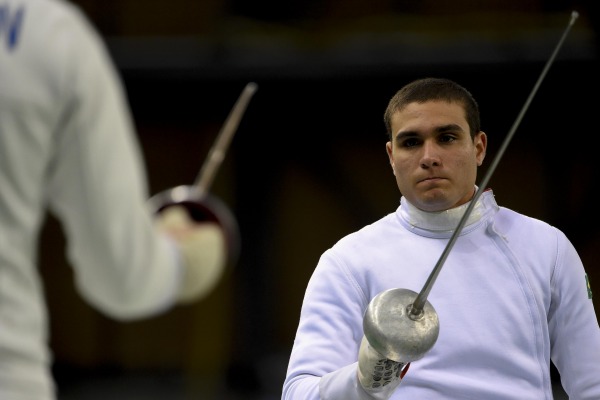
(449,127)
(404,134)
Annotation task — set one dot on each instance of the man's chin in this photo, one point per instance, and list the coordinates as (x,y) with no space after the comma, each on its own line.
(434,202)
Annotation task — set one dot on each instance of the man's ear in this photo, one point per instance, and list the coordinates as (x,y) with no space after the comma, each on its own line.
(388,150)
(481,144)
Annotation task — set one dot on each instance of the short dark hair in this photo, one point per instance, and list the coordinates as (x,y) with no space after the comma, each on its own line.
(427,89)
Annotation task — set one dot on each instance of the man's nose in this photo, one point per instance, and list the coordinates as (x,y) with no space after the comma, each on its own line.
(430,155)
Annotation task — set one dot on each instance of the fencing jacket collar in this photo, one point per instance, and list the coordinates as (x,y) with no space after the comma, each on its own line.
(447,220)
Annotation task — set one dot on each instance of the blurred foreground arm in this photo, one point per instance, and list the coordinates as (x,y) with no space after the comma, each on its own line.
(97,187)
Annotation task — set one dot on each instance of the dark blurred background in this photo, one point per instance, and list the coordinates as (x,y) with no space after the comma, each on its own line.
(308,163)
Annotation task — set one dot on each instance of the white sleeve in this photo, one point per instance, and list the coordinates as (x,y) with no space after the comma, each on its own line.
(98,188)
(342,384)
(323,362)
(574,330)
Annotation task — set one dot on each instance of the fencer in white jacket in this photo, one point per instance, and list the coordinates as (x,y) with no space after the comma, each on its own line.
(67,146)
(512,297)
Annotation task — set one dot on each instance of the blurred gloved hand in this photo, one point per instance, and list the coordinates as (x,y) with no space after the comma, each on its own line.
(378,375)
(204,251)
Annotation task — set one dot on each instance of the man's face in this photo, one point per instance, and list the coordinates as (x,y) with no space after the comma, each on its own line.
(432,155)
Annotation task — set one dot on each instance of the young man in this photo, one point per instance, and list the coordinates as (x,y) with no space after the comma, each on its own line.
(511,298)
(67,145)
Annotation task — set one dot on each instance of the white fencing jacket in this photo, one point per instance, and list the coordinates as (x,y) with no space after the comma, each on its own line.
(67,145)
(511,296)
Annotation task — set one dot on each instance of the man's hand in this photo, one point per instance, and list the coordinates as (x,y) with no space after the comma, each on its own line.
(378,375)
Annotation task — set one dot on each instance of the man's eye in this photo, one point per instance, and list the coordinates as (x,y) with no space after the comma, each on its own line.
(410,143)
(447,139)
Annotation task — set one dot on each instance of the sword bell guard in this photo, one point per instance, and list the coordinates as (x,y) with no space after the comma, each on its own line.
(395,333)
(202,207)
